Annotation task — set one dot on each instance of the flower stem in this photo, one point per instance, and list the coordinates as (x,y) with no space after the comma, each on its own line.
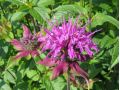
(68,80)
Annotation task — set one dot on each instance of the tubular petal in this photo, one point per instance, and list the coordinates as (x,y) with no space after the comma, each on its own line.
(22,54)
(26,33)
(17,44)
(47,62)
(76,68)
(59,69)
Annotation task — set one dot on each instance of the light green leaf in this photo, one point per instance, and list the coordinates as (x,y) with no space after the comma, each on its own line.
(4,86)
(116,61)
(72,9)
(32,74)
(101,18)
(93,61)
(45,2)
(40,13)
(115,56)
(59,83)
(42,56)
(36,15)
(11,62)
(18,15)
(106,7)
(9,76)
(58,15)
(115,52)
(1,61)
(69,10)
(73,88)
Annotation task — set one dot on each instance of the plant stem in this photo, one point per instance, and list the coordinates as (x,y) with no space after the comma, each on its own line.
(27,21)
(33,21)
(2,10)
(82,3)
(68,80)
(37,25)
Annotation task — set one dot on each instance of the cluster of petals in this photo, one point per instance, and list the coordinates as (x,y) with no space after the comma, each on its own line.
(67,44)
(27,45)
(69,41)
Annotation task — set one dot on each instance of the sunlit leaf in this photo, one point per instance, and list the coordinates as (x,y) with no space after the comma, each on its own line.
(101,18)
(33,74)
(18,15)
(4,86)
(45,2)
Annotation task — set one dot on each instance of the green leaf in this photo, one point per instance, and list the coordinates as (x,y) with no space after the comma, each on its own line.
(22,69)
(42,56)
(73,88)
(45,2)
(18,15)
(36,15)
(115,56)
(68,10)
(21,86)
(93,71)
(115,51)
(59,83)
(1,61)
(101,18)
(11,62)
(5,48)
(9,76)
(33,74)
(106,7)
(93,61)
(40,13)
(58,15)
(72,9)
(116,61)
(4,86)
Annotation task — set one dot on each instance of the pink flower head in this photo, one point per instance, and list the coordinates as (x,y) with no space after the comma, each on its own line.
(68,43)
(27,44)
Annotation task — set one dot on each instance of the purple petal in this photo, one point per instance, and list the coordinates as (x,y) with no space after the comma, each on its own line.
(59,69)
(71,52)
(26,33)
(17,44)
(56,52)
(89,52)
(92,33)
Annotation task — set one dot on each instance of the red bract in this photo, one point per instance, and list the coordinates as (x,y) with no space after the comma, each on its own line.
(27,44)
(61,67)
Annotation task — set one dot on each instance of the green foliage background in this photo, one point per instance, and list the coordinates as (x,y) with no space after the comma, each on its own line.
(24,74)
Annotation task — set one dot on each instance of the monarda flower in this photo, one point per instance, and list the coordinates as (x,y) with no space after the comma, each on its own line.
(67,45)
(27,45)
